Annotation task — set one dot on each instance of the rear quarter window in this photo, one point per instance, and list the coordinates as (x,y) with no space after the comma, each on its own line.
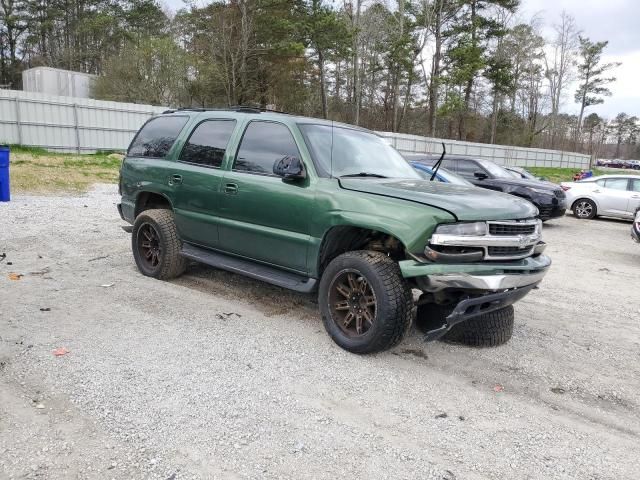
(157,136)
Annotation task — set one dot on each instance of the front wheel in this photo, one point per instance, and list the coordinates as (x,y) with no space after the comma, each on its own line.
(365,303)
(584,208)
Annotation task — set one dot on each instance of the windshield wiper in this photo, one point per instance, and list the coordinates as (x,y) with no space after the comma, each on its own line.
(438,163)
(363,174)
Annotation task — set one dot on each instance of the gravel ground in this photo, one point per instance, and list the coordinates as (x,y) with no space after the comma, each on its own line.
(217,376)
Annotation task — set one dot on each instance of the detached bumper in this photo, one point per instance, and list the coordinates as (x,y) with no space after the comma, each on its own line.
(473,307)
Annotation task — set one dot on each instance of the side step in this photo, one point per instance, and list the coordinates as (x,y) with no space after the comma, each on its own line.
(268,274)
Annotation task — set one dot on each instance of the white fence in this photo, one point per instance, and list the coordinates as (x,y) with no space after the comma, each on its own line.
(502,154)
(83,125)
(69,124)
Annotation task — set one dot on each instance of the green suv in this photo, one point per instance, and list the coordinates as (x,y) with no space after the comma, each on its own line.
(316,206)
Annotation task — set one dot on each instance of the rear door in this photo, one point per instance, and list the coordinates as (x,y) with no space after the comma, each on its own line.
(613,197)
(263,217)
(634,199)
(150,157)
(196,179)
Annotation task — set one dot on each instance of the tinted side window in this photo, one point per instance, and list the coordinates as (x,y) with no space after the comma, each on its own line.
(467,168)
(208,142)
(616,183)
(600,182)
(156,137)
(263,143)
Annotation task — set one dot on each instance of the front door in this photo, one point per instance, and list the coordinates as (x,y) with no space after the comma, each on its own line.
(263,217)
(613,197)
(197,181)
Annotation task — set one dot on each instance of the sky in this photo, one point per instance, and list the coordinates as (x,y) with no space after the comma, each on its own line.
(599,20)
(612,20)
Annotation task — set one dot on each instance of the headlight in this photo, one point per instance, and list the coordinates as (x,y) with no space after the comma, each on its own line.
(470,229)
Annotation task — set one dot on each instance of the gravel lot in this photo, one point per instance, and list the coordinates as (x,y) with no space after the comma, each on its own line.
(217,376)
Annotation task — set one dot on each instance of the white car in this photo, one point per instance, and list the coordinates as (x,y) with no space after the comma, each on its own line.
(608,195)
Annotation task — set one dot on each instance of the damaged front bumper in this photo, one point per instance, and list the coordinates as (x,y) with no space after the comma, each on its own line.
(482,287)
(475,306)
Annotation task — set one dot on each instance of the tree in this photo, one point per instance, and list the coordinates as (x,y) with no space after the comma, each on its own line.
(153,71)
(591,76)
(559,65)
(625,130)
(473,29)
(327,34)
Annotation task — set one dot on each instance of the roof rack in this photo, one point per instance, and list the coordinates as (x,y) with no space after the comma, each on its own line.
(235,108)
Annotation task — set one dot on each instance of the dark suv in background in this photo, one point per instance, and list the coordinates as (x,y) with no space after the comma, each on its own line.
(548,197)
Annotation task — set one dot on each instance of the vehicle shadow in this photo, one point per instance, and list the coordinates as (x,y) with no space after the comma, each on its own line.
(268,299)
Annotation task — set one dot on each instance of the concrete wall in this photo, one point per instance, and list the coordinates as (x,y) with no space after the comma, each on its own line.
(69,124)
(504,155)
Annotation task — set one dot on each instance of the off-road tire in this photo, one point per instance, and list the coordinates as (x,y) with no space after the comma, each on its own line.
(594,209)
(171,264)
(487,330)
(393,301)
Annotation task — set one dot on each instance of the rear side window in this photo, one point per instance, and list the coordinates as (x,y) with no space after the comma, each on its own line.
(208,142)
(156,137)
(616,183)
(635,185)
(264,143)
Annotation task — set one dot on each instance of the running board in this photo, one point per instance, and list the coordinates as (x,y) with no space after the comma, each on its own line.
(268,274)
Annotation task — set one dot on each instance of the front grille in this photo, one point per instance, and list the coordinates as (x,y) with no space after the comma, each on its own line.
(508,251)
(505,229)
(560,194)
(545,211)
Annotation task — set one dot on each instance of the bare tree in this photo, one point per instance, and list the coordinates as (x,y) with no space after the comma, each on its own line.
(559,64)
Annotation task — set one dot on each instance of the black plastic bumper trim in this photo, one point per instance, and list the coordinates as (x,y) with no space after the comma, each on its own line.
(473,307)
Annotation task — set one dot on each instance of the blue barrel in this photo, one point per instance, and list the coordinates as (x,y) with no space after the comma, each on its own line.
(4,174)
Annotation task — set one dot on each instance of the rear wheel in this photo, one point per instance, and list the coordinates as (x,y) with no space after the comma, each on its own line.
(365,303)
(156,245)
(584,208)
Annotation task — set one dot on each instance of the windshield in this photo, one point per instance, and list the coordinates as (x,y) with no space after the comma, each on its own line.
(354,152)
(522,173)
(496,170)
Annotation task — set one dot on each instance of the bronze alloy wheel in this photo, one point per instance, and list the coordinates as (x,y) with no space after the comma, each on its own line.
(149,245)
(352,303)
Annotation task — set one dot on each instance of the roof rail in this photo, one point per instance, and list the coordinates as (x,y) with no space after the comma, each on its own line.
(235,108)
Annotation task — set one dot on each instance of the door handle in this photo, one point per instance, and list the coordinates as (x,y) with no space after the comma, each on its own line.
(635,196)
(231,188)
(175,179)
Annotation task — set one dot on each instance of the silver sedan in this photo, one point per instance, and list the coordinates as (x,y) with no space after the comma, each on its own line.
(608,195)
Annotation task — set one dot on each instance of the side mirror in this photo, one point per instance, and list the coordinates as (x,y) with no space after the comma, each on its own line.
(480,175)
(289,168)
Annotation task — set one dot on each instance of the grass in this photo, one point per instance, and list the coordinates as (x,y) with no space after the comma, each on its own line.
(35,170)
(557,175)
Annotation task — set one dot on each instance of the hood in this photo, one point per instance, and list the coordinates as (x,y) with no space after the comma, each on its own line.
(465,203)
(525,182)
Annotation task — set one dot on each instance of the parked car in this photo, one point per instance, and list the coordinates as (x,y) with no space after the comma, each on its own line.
(549,198)
(316,206)
(442,175)
(635,228)
(607,195)
(635,164)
